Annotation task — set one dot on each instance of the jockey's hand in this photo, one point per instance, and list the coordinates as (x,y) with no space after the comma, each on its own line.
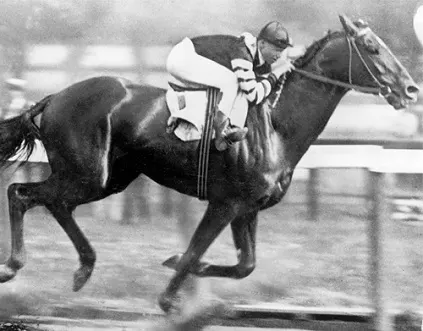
(281,66)
(296,52)
(279,62)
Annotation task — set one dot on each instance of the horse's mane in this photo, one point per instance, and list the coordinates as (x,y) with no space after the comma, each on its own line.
(310,53)
(301,62)
(315,47)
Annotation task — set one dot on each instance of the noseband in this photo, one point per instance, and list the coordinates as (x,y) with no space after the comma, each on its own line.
(381,89)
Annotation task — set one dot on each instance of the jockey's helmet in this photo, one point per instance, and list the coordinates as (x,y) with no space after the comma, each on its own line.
(274,33)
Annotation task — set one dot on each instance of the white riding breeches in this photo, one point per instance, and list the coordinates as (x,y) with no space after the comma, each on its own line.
(185,64)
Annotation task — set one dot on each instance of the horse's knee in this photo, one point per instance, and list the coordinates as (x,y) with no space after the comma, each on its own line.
(19,195)
(13,191)
(245,270)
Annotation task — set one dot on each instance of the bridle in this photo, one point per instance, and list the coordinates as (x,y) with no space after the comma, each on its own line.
(381,89)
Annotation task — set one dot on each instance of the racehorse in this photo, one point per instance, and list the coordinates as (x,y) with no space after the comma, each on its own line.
(102,133)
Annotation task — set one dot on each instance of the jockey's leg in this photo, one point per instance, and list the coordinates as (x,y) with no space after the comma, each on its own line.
(186,65)
(226,134)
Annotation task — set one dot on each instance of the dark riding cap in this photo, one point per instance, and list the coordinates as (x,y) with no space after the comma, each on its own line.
(275,34)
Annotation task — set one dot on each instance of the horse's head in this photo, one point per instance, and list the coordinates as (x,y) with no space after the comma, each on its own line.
(360,57)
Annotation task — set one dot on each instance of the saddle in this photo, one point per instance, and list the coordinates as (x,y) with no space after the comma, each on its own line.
(187,104)
(192,109)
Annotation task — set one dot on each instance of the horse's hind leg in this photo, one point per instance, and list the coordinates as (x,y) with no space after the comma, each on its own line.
(20,200)
(87,256)
(58,199)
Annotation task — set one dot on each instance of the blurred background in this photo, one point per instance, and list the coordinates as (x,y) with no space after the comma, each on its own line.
(312,258)
(52,44)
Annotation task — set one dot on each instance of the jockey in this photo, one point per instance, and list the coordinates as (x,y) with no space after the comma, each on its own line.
(231,63)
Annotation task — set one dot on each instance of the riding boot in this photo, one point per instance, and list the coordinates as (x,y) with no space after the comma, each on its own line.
(226,134)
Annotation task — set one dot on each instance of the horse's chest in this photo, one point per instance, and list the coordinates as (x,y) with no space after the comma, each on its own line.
(273,186)
(268,166)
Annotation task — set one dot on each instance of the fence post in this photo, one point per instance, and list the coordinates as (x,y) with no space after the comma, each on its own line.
(313,194)
(379,217)
(4,222)
(167,202)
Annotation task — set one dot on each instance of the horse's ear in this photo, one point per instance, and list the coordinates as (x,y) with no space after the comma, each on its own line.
(361,24)
(348,25)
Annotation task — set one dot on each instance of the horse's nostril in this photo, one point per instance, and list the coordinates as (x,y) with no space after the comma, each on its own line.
(412,89)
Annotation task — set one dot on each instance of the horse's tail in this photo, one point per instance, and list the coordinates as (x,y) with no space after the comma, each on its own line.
(18,134)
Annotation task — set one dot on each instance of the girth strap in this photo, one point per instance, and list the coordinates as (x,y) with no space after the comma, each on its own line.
(205,142)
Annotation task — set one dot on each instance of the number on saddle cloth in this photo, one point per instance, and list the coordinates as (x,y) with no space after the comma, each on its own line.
(188,111)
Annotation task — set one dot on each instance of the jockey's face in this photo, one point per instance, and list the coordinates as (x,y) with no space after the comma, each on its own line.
(269,51)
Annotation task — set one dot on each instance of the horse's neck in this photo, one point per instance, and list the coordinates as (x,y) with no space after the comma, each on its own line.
(304,109)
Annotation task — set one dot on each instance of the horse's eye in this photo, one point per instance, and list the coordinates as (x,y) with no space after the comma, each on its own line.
(371,47)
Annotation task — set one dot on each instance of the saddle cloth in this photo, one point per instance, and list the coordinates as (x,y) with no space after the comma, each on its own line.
(188,112)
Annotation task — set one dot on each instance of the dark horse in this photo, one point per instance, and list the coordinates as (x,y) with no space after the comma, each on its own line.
(102,133)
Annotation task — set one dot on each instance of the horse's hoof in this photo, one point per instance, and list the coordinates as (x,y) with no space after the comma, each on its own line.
(224,311)
(168,304)
(6,273)
(165,303)
(201,317)
(80,277)
(173,261)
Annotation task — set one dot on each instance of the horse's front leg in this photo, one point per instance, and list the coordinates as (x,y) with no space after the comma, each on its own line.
(244,230)
(216,218)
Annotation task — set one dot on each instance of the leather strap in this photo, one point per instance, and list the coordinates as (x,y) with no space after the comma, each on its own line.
(205,142)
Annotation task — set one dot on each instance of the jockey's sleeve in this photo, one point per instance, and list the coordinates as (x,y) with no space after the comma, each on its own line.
(256,91)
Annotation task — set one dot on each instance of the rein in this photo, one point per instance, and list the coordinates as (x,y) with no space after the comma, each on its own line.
(324,79)
(381,89)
